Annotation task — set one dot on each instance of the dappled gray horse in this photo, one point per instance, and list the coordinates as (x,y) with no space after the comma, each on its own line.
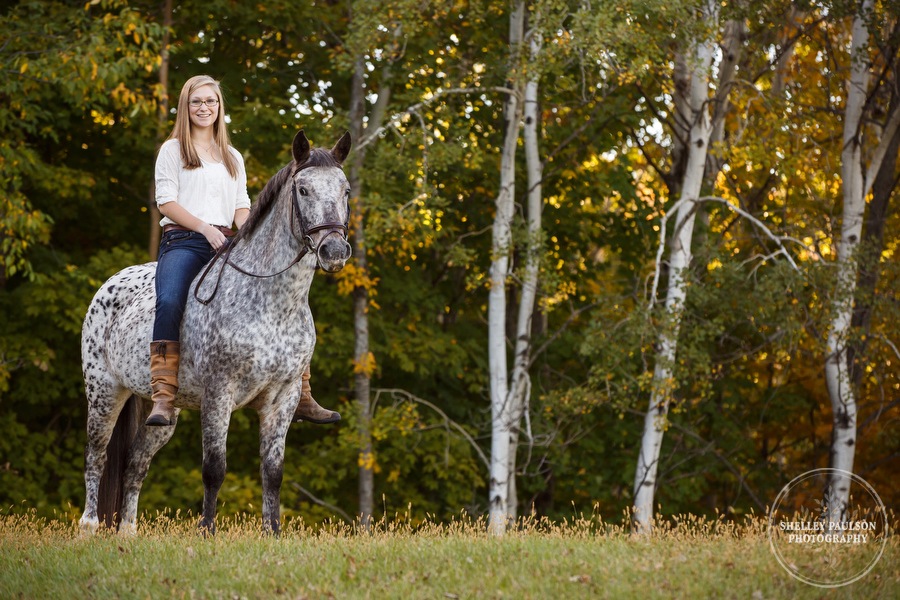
(247,336)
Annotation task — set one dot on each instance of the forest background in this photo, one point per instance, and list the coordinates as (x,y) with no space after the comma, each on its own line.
(435,94)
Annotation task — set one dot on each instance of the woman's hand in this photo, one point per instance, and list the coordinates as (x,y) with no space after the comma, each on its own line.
(215,237)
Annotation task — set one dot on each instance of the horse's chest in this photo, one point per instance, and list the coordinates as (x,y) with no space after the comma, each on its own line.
(265,343)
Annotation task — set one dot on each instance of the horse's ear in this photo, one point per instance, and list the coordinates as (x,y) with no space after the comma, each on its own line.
(342,148)
(300,148)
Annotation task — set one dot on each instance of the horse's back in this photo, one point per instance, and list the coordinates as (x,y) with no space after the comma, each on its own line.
(116,333)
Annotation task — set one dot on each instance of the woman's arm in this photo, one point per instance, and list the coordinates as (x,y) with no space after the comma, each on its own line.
(183,217)
(240,216)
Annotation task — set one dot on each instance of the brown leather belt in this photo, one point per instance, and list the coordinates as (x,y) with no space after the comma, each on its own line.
(228,231)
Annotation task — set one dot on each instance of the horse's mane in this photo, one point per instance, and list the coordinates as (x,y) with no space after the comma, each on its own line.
(318,157)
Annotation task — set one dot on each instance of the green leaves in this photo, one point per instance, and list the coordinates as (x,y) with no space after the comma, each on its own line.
(78,133)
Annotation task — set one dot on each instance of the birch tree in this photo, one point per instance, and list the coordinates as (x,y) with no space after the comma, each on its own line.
(697,111)
(520,382)
(501,409)
(857,180)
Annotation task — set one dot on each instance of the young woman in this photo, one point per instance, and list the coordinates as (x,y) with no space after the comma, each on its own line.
(201,191)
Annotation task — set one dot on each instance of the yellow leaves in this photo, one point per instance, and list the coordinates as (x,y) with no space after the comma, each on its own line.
(102,118)
(367,461)
(554,201)
(24,67)
(124,95)
(131,29)
(564,290)
(352,277)
(365,365)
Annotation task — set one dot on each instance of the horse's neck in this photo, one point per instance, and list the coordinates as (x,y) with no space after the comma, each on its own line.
(274,246)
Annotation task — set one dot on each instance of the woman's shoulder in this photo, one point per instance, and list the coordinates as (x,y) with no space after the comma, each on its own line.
(235,153)
(171,145)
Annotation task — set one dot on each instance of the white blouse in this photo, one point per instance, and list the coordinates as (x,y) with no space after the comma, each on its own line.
(209,193)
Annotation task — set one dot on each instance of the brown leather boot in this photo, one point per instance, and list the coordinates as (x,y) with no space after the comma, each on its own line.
(309,410)
(164,357)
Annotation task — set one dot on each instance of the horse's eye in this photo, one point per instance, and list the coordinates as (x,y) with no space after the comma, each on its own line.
(303,191)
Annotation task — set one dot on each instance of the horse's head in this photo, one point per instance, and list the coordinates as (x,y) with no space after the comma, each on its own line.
(321,197)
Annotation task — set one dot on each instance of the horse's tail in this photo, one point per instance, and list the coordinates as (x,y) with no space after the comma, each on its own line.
(112,483)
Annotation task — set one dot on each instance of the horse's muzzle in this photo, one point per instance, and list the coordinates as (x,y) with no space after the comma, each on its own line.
(333,252)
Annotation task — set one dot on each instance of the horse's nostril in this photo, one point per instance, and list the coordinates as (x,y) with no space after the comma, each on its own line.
(334,250)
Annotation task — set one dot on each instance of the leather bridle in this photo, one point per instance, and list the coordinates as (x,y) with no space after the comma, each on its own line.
(307,245)
(306,242)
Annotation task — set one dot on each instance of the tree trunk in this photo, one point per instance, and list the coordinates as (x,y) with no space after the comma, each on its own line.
(679,261)
(162,117)
(732,48)
(361,132)
(501,410)
(787,45)
(857,182)
(520,385)
(871,248)
(361,359)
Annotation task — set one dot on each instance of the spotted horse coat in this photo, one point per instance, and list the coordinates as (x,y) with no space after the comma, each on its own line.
(247,336)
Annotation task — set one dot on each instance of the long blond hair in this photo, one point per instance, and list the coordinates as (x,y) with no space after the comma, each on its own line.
(182,130)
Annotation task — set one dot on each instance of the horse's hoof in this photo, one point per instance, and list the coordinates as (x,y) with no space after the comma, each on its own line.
(127,529)
(207,528)
(157,421)
(89,526)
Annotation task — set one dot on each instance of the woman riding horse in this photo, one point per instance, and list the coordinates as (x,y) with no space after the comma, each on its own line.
(201,189)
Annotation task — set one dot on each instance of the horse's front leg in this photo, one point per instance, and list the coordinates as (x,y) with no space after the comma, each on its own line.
(215,415)
(274,422)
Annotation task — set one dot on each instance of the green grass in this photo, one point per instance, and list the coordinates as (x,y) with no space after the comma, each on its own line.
(585,559)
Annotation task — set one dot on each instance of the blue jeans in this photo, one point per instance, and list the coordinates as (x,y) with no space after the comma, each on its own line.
(182,254)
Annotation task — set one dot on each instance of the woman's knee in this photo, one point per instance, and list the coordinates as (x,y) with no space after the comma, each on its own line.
(169,304)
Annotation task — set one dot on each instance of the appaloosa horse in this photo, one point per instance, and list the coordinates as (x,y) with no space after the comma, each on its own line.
(247,336)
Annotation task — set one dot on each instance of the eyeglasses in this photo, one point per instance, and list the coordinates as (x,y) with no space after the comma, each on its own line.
(211,103)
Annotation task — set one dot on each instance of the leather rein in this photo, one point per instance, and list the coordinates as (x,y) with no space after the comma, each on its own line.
(305,238)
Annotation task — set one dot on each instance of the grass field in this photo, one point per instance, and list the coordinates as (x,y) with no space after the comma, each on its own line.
(692,558)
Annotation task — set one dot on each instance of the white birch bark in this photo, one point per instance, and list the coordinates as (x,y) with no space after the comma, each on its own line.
(857,182)
(501,413)
(679,261)
(520,383)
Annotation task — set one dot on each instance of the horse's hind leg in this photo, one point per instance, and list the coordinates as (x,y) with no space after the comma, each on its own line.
(105,402)
(273,428)
(147,443)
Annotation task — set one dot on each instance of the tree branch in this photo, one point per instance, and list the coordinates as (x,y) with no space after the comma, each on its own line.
(321,502)
(737,209)
(887,135)
(448,422)
(396,120)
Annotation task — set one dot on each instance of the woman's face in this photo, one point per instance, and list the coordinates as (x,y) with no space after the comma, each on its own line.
(204,106)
